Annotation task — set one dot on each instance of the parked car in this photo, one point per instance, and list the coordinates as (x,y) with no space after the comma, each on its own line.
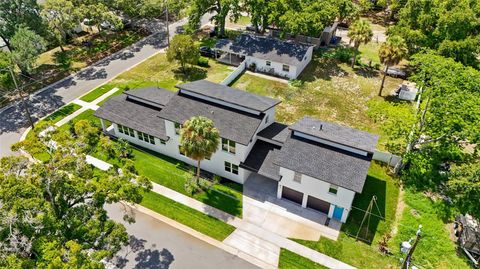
(251,28)
(206,51)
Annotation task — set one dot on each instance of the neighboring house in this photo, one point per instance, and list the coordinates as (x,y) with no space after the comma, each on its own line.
(266,54)
(326,38)
(317,164)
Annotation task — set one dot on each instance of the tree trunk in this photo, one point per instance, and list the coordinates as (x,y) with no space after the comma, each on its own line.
(198,171)
(383,81)
(61,47)
(354,56)
(7,43)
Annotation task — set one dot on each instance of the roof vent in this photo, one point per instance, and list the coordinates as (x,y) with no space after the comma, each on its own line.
(321,127)
(211,112)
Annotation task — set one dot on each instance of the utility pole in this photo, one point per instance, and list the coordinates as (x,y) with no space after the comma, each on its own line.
(21,97)
(408,259)
(168,30)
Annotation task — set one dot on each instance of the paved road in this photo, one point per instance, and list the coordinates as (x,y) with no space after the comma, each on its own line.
(13,121)
(156,245)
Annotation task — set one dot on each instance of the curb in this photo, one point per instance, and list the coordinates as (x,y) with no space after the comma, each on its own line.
(198,235)
(81,70)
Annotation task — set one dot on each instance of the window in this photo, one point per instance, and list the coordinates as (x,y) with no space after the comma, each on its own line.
(231,168)
(125,130)
(146,137)
(163,142)
(266,118)
(180,150)
(286,68)
(297,177)
(228,145)
(268,63)
(333,189)
(178,126)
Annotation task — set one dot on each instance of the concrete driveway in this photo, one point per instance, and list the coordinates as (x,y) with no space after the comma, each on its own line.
(262,208)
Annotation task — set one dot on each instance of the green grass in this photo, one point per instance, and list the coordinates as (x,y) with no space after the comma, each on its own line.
(243,20)
(190,217)
(157,71)
(62,112)
(91,96)
(331,91)
(435,249)
(346,248)
(172,174)
(369,52)
(86,115)
(291,260)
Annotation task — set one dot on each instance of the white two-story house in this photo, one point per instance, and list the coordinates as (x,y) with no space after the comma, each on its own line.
(317,164)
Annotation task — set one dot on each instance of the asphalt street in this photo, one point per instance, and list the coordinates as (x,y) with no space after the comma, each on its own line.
(156,245)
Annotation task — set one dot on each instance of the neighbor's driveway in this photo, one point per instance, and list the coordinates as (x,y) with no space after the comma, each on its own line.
(156,245)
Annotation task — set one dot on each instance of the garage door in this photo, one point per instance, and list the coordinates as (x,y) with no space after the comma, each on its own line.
(292,195)
(318,204)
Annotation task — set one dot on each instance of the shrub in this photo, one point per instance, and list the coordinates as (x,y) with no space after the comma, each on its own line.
(203,62)
(295,83)
(342,54)
(216,179)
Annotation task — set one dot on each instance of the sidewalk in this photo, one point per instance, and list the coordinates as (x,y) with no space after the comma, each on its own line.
(248,238)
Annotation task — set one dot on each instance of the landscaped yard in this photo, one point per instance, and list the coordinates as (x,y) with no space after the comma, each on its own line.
(172,174)
(435,250)
(291,260)
(331,91)
(190,217)
(157,71)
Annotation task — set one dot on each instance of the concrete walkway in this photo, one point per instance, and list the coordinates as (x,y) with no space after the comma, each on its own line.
(249,238)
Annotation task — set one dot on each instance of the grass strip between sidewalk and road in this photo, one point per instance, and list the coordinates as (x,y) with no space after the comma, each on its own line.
(291,260)
(192,218)
(93,95)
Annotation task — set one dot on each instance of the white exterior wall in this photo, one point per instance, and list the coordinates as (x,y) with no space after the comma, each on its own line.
(261,65)
(305,62)
(319,189)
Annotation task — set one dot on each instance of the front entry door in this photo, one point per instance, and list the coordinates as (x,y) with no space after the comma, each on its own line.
(338,212)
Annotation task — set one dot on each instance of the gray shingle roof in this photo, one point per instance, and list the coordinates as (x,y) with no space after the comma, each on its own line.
(267,48)
(329,164)
(229,95)
(234,125)
(152,94)
(276,131)
(337,133)
(143,118)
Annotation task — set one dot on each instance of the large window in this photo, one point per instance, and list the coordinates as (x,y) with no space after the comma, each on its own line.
(125,130)
(178,126)
(163,142)
(286,68)
(228,145)
(231,168)
(146,137)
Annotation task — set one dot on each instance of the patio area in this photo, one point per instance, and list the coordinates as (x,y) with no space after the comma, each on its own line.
(230,58)
(262,208)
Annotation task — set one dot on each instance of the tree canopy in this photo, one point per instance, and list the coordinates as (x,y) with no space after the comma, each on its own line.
(199,139)
(27,46)
(448,126)
(183,50)
(52,214)
(451,27)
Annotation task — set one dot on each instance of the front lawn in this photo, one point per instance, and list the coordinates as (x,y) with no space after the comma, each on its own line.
(346,248)
(62,112)
(435,249)
(91,96)
(291,260)
(331,91)
(173,173)
(190,217)
(157,71)
(86,115)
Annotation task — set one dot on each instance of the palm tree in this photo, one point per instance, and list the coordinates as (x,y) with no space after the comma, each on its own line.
(359,32)
(199,139)
(391,53)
